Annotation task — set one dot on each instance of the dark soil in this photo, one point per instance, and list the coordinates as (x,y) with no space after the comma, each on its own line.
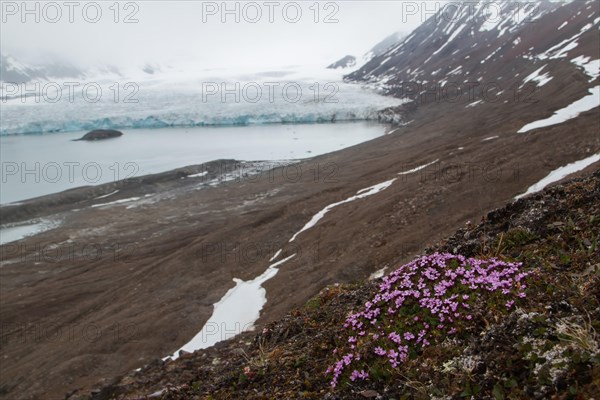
(523,355)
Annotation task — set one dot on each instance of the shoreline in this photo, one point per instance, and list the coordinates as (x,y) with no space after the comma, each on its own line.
(325,121)
(46,164)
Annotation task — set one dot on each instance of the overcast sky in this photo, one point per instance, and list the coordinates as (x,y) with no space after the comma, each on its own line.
(192,32)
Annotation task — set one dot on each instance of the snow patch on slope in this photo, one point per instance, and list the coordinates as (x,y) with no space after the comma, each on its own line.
(361,194)
(235,313)
(417,169)
(538,77)
(591,67)
(561,173)
(591,101)
(121,201)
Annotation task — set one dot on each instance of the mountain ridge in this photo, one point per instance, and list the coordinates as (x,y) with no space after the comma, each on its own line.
(459,47)
(350,61)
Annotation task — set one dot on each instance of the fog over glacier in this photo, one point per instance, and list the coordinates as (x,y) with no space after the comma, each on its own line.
(194,34)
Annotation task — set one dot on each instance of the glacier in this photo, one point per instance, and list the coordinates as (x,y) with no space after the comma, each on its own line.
(187,102)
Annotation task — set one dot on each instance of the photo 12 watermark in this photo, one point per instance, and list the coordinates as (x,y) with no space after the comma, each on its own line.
(449,173)
(269,92)
(245,253)
(70,91)
(473,92)
(69,251)
(268,172)
(38,333)
(253,12)
(53,12)
(488,12)
(90,172)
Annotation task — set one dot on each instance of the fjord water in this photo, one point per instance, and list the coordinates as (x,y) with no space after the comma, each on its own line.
(177,119)
(36,165)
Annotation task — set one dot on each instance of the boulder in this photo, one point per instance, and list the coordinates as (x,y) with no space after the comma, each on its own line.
(100,134)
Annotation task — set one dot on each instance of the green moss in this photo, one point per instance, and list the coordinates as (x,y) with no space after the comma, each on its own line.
(313,303)
(517,237)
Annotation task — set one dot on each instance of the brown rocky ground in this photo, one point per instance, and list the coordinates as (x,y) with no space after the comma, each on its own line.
(152,286)
(546,348)
(114,288)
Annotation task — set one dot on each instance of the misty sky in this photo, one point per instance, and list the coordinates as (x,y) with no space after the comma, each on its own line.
(192,32)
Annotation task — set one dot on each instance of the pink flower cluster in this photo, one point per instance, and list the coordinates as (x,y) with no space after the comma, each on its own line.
(418,303)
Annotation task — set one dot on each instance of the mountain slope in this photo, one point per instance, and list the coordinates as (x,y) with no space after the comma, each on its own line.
(546,348)
(13,71)
(344,62)
(380,48)
(483,46)
(383,46)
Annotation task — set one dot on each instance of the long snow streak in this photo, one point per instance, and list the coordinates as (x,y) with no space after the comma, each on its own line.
(417,169)
(561,173)
(361,194)
(589,102)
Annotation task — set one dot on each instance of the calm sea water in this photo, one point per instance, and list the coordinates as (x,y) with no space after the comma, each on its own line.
(36,165)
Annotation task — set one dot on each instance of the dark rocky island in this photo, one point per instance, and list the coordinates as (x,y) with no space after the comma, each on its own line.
(100,134)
